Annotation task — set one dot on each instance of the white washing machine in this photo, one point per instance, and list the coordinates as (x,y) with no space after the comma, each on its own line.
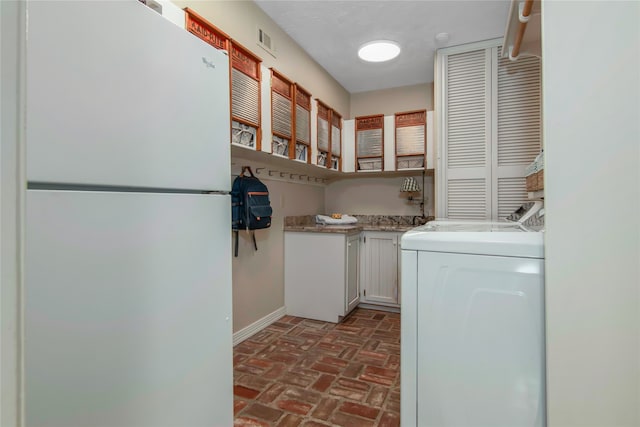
(473,325)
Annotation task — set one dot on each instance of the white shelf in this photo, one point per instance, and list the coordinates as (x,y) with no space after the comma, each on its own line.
(283,164)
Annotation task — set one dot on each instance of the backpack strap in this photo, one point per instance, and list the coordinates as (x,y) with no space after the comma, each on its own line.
(245,169)
(253,237)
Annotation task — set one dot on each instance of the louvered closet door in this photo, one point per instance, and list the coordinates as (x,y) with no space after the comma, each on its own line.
(467,156)
(518,130)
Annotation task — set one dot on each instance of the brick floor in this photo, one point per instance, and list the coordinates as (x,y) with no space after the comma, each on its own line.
(302,372)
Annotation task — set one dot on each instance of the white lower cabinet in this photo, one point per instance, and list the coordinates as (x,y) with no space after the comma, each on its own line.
(379,268)
(321,274)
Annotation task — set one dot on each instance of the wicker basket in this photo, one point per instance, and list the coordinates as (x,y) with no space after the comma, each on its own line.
(535,181)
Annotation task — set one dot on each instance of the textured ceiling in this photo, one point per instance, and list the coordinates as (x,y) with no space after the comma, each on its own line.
(333,31)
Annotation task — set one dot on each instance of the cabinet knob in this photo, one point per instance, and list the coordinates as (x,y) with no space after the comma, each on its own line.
(349,244)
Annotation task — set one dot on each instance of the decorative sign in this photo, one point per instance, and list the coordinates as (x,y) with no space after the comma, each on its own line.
(411,118)
(245,61)
(369,122)
(336,119)
(280,84)
(323,110)
(205,30)
(303,98)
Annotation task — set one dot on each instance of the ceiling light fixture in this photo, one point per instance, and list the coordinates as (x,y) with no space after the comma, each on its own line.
(379,51)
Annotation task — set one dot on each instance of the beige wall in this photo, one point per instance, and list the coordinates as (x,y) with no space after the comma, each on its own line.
(592,261)
(241,19)
(258,276)
(375,196)
(391,101)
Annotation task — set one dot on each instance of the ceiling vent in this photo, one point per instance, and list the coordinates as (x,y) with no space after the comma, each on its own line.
(153,5)
(266,42)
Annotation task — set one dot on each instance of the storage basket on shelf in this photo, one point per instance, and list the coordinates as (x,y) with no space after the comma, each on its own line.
(534,174)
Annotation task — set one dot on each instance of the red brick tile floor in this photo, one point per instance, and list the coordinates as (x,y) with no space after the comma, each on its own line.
(302,372)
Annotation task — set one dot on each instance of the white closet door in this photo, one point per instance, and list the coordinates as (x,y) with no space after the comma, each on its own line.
(467,151)
(517,124)
(490,130)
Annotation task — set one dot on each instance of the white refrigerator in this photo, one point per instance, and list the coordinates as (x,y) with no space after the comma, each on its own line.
(127,274)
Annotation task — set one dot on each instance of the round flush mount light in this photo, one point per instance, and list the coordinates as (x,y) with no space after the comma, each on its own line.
(379,51)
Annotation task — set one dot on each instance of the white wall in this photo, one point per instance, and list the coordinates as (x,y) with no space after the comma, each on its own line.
(11,19)
(375,196)
(591,97)
(258,277)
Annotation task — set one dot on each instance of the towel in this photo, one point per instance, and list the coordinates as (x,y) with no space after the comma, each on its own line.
(327,220)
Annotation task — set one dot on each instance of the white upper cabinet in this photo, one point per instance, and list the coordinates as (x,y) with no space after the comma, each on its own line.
(402,141)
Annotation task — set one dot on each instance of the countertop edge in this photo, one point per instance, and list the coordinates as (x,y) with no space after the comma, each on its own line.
(341,229)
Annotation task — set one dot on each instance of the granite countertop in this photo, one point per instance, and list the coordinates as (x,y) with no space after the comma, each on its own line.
(397,223)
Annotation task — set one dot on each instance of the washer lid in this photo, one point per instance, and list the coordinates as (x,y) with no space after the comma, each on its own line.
(501,239)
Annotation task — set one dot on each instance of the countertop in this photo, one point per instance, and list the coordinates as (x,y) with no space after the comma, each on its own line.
(390,223)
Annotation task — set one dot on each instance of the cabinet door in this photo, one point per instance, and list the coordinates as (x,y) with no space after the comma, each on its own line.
(490,130)
(380,267)
(399,267)
(466,157)
(352,276)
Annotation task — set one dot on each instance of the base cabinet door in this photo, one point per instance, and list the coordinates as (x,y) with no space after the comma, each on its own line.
(352,273)
(379,268)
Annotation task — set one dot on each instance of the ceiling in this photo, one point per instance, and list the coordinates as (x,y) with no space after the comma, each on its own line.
(333,31)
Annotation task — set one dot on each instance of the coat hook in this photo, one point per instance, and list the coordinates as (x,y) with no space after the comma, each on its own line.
(282,174)
(291,175)
(300,177)
(258,170)
(270,172)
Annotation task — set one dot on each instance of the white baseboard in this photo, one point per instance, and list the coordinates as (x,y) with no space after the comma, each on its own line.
(380,307)
(258,325)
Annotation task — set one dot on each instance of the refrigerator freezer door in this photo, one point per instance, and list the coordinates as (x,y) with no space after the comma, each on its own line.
(118,95)
(128,310)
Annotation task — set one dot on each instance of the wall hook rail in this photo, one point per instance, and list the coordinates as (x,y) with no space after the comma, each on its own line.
(277,175)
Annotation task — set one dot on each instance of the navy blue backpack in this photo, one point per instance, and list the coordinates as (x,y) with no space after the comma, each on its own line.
(250,205)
